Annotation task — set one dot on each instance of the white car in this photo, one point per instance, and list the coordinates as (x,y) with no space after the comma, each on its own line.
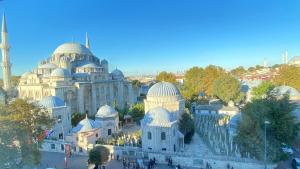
(286,149)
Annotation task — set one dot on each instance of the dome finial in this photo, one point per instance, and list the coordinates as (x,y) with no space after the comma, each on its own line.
(87,42)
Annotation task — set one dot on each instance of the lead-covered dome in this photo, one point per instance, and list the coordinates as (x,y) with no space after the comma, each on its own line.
(106,111)
(117,74)
(76,48)
(51,102)
(85,125)
(163,89)
(158,116)
(60,72)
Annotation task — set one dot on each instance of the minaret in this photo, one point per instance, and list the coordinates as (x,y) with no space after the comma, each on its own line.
(87,42)
(6,66)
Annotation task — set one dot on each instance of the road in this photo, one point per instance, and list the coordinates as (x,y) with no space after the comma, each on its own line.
(56,160)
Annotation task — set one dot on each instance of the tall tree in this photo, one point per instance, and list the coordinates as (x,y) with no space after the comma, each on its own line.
(166,76)
(193,82)
(227,88)
(283,127)
(186,126)
(212,73)
(288,75)
(25,127)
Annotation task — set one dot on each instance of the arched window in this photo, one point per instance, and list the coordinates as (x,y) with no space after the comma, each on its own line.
(163,135)
(149,135)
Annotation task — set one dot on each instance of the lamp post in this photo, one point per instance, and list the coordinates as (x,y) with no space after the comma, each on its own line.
(265,159)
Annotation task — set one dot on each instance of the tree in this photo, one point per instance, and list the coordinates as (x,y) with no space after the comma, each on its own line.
(239,71)
(23,125)
(136,83)
(288,75)
(137,111)
(166,77)
(98,155)
(186,126)
(211,74)
(192,82)
(262,90)
(283,127)
(227,88)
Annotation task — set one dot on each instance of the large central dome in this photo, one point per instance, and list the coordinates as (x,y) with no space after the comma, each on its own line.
(68,48)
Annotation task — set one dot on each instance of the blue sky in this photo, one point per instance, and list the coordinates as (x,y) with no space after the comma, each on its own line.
(147,36)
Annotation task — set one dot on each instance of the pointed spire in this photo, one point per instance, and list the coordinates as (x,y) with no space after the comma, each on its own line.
(4,29)
(87,42)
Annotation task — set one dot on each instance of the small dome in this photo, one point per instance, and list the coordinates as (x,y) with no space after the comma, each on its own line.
(104,61)
(158,116)
(106,111)
(287,90)
(51,102)
(47,66)
(85,125)
(117,74)
(163,89)
(77,48)
(60,72)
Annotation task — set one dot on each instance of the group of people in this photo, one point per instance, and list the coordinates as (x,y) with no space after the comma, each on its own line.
(127,164)
(152,163)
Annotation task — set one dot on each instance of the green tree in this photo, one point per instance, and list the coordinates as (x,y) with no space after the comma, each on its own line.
(23,125)
(136,83)
(227,88)
(239,71)
(192,82)
(288,75)
(186,126)
(212,73)
(137,111)
(262,90)
(166,77)
(99,155)
(283,127)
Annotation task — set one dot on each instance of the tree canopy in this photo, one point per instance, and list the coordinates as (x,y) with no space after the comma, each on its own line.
(99,155)
(166,77)
(239,71)
(23,126)
(283,127)
(137,111)
(288,75)
(227,88)
(262,90)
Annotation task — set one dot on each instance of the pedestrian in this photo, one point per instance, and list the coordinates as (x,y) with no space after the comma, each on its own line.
(111,156)
(228,166)
(117,157)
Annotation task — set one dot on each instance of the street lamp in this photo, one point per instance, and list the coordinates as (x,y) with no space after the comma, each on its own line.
(266,122)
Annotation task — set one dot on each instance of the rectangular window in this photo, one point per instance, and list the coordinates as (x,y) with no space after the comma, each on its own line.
(62,147)
(163,135)
(52,146)
(109,132)
(149,148)
(164,149)
(149,136)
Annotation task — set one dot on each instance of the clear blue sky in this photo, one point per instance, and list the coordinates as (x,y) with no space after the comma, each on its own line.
(146,36)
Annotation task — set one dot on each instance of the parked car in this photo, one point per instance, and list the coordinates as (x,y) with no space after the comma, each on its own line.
(286,149)
(296,163)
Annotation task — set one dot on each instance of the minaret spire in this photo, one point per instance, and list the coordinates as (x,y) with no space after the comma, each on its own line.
(6,66)
(87,42)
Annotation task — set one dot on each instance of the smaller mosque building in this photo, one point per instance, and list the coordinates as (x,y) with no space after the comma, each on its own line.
(61,113)
(88,132)
(164,106)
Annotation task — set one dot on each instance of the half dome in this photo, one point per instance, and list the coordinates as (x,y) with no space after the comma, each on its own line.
(76,48)
(117,74)
(51,102)
(60,72)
